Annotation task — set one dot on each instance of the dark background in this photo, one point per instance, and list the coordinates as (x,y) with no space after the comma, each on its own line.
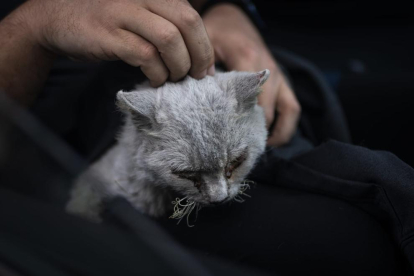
(365,51)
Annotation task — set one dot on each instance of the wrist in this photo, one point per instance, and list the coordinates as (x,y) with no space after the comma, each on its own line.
(24,63)
(31,24)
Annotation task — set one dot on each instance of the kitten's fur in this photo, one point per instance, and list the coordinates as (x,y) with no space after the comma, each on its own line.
(181,137)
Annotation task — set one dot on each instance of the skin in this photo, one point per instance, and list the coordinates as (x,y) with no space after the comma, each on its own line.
(167,39)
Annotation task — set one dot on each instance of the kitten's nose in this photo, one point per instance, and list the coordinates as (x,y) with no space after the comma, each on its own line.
(218,191)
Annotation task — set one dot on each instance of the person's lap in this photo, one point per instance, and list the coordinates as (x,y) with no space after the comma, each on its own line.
(291,232)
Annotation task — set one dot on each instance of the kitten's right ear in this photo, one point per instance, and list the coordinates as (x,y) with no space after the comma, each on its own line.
(141,106)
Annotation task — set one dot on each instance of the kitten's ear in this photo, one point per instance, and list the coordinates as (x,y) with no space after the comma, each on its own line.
(141,105)
(248,87)
(245,86)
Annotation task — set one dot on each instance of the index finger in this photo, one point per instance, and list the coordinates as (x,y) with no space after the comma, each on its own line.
(190,24)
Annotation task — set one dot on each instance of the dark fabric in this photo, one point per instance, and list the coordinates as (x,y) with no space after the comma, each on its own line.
(38,240)
(292,232)
(387,123)
(34,242)
(78,103)
(375,181)
(7,6)
(322,119)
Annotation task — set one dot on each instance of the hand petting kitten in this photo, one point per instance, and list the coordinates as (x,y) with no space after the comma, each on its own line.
(165,38)
(240,47)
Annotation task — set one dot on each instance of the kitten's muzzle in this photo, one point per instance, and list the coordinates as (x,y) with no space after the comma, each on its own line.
(216,190)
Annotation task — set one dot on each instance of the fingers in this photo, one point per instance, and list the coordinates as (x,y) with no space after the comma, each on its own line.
(136,51)
(191,27)
(288,110)
(165,37)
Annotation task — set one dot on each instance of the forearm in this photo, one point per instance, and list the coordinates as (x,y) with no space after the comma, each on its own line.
(24,64)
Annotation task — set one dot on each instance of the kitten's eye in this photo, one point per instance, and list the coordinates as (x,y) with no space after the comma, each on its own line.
(189,175)
(193,176)
(197,184)
(228,173)
(234,165)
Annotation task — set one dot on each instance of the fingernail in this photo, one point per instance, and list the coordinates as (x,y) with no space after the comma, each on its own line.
(212,70)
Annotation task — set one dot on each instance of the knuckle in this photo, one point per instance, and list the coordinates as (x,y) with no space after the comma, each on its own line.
(190,17)
(148,53)
(169,36)
(128,52)
(133,60)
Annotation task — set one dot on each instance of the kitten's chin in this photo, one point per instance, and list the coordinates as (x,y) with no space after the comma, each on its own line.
(197,199)
(212,204)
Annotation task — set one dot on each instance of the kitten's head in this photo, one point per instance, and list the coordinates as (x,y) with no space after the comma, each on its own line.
(199,137)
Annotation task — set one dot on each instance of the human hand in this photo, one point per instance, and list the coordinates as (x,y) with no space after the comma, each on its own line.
(166,38)
(239,46)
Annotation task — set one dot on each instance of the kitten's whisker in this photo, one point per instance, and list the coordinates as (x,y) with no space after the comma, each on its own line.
(184,209)
(248,182)
(238,199)
(244,186)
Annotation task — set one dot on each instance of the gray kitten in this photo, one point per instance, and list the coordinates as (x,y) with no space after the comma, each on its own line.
(196,138)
